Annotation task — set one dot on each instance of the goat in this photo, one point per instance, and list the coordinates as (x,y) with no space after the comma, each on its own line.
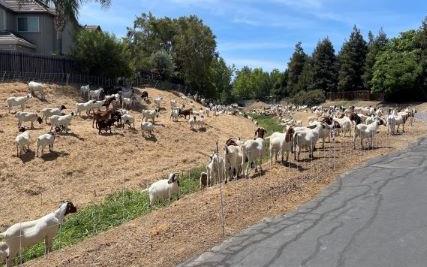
(306,137)
(164,189)
(101,115)
(345,125)
(35,87)
(61,121)
(48,112)
(147,127)
(366,131)
(27,116)
(97,105)
(260,132)
(215,169)
(96,94)
(252,150)
(86,106)
(129,120)
(26,234)
(158,102)
(22,141)
(17,101)
(203,180)
(281,142)
(105,124)
(150,114)
(233,161)
(84,91)
(174,114)
(186,112)
(144,95)
(45,140)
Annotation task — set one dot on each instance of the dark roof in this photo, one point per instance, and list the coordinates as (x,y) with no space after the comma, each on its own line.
(92,27)
(27,6)
(8,38)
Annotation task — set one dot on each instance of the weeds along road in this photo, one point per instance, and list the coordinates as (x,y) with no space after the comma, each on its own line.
(375,215)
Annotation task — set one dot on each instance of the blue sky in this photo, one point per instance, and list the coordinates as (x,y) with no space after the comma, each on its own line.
(262,33)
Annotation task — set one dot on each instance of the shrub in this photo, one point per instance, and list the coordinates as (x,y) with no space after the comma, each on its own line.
(310,98)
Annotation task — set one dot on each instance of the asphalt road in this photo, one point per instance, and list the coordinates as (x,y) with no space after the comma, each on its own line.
(375,215)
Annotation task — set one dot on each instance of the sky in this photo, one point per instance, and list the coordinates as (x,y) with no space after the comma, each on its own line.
(263,33)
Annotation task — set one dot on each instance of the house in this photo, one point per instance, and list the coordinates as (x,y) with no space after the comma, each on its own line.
(28,26)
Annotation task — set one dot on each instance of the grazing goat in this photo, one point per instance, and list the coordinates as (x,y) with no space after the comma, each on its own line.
(15,101)
(215,169)
(252,150)
(401,119)
(164,189)
(186,112)
(281,142)
(96,94)
(158,102)
(26,234)
(105,124)
(45,140)
(345,125)
(84,91)
(150,114)
(129,120)
(48,112)
(86,106)
(366,131)
(22,141)
(203,180)
(61,121)
(101,115)
(144,95)
(233,161)
(35,87)
(127,102)
(27,116)
(147,126)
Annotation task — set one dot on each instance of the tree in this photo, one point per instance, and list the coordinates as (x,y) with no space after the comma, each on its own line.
(221,76)
(66,11)
(422,44)
(324,67)
(162,62)
(398,70)
(279,86)
(100,53)
(252,83)
(295,68)
(305,80)
(352,62)
(375,46)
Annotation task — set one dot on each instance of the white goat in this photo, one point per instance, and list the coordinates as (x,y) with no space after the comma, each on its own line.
(97,105)
(26,234)
(129,120)
(252,151)
(22,142)
(84,91)
(233,161)
(147,126)
(27,116)
(391,124)
(96,94)
(345,124)
(158,102)
(306,138)
(174,114)
(86,106)
(164,189)
(48,112)
(15,101)
(366,131)
(215,169)
(149,114)
(280,142)
(61,121)
(35,87)
(45,140)
(126,102)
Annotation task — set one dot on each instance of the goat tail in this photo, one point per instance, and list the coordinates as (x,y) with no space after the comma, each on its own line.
(145,190)
(2,235)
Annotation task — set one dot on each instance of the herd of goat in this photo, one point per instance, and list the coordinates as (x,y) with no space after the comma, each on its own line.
(238,158)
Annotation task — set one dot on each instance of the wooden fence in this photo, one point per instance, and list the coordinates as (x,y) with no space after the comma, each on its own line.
(365,95)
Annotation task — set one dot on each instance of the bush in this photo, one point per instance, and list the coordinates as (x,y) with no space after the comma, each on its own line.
(102,54)
(310,98)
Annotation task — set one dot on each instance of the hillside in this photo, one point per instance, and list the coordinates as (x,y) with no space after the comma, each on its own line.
(85,166)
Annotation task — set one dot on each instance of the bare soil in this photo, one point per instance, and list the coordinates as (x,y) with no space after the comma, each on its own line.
(85,166)
(192,224)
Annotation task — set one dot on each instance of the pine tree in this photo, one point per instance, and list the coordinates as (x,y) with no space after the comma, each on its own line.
(352,62)
(305,81)
(295,68)
(324,66)
(375,45)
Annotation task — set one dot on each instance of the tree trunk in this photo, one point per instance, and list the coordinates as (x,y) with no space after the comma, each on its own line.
(59,42)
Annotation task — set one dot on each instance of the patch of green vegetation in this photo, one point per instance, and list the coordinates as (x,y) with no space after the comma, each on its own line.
(116,209)
(271,124)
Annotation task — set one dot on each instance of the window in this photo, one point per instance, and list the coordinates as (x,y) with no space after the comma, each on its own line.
(2,20)
(28,24)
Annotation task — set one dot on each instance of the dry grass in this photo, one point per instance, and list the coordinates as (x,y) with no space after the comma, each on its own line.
(86,166)
(192,224)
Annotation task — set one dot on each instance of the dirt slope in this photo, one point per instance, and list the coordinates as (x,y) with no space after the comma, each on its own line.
(86,166)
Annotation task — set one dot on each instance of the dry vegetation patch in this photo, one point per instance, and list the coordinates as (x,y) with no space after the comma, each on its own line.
(192,224)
